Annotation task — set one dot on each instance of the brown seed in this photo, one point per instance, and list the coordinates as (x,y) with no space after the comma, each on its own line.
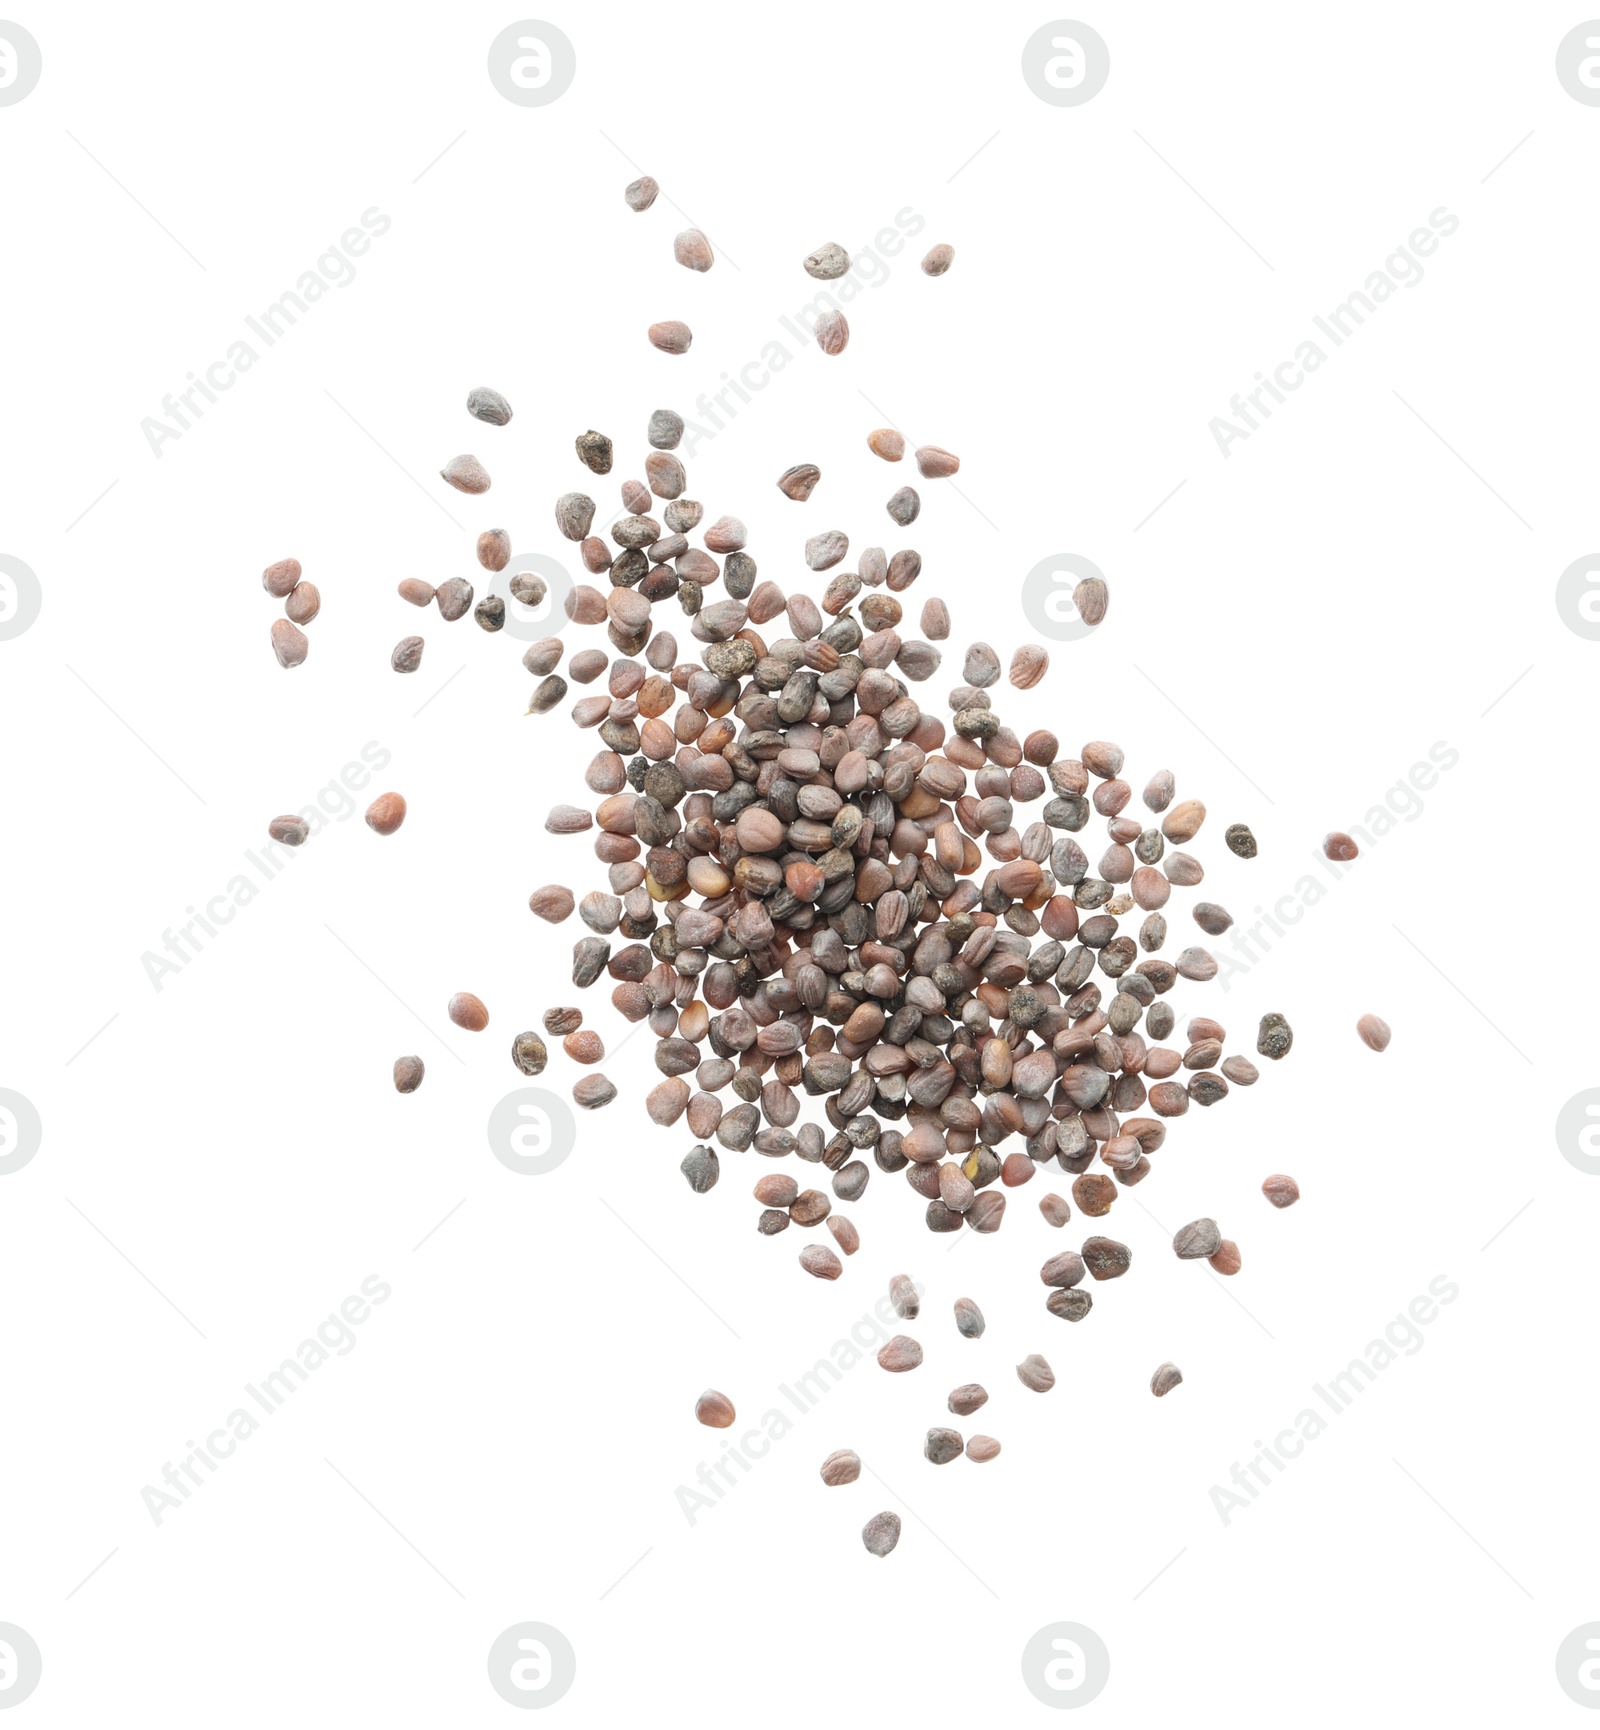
(937,263)
(881,1533)
(1226,1258)
(800,481)
(292,831)
(303,604)
(904,505)
(1281,1191)
(833,333)
(1092,599)
(488,405)
(453,597)
(407,1074)
(468,1012)
(692,250)
(1339,846)
(810,1207)
(966,1399)
(585,1046)
(386,813)
(1028,666)
(714,1410)
(568,820)
(1035,1374)
(466,474)
(552,903)
(902,1353)
(841,1467)
(528,1053)
(280,579)
(726,535)
(827,262)
(935,463)
(1094,1193)
(1055,1209)
(1159,790)
(641,193)
(1182,822)
(1374,1031)
(969,1319)
(593,1091)
(1106,1258)
(886,443)
(820,1261)
(981,1449)
(594,451)
(288,643)
(935,620)
(407,656)
(844,1233)
(1275,1036)
(530,589)
(1240,1071)
(494,549)
(1165,1379)
(904,1296)
(416,591)
(1197,1240)
(942,1446)
(671,336)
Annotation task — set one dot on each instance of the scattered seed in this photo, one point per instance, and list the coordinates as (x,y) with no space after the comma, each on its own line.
(714,1410)
(1240,1071)
(1281,1191)
(800,481)
(1106,1258)
(692,250)
(280,579)
(844,1233)
(494,549)
(407,1074)
(641,193)
(937,263)
(1069,1305)
(1240,840)
(292,831)
(466,474)
(942,1446)
(453,598)
(904,505)
(881,1533)
(1028,666)
(900,1354)
(407,656)
(1275,1036)
(1226,1258)
(820,1261)
(934,463)
(288,643)
(488,405)
(827,262)
(528,1053)
(966,1399)
(1055,1209)
(1092,599)
(1339,846)
(1035,1374)
(1197,1240)
(592,1092)
(671,336)
(1165,1379)
(594,451)
(969,1319)
(841,1467)
(1374,1031)
(386,813)
(700,1167)
(303,604)
(468,1012)
(981,1449)
(417,592)
(833,333)
(886,443)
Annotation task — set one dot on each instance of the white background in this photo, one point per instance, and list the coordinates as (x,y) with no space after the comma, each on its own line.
(1290,632)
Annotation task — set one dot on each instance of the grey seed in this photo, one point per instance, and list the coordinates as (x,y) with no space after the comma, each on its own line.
(407,656)
(692,250)
(291,831)
(1275,1036)
(1240,840)
(552,903)
(453,598)
(574,515)
(1281,1191)
(820,1262)
(881,1533)
(701,1168)
(289,643)
(528,588)
(827,262)
(935,620)
(772,1221)
(488,405)
(1091,597)
(1197,1240)
(982,666)
(1165,1379)
(280,579)
(1374,1031)
(1211,918)
(665,429)
(900,1354)
(1071,1305)
(466,474)
(594,451)
(935,463)
(841,1467)
(903,1295)
(851,1180)
(938,260)
(904,505)
(1055,1209)
(942,1446)
(966,1399)
(1035,1374)
(593,1092)
(528,1053)
(1240,1071)
(969,1319)
(407,1074)
(1106,1258)
(833,333)
(671,336)
(1159,790)
(982,1449)
(547,694)
(490,613)
(825,550)
(641,193)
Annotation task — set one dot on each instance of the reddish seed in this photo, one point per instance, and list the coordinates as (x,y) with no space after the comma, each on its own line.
(1339,846)
(714,1410)
(468,1012)
(1281,1191)
(386,813)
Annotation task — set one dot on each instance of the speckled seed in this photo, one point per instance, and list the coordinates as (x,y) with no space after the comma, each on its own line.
(827,262)
(488,405)
(574,515)
(1275,1036)
(826,550)
(407,1074)
(881,1533)
(1159,789)
(966,1399)
(1165,1379)
(416,591)
(1071,1305)
(886,443)
(982,1449)
(833,333)
(1339,846)
(1106,1258)
(714,1410)
(1092,599)
(900,1354)
(726,535)
(1028,666)
(552,903)
(594,451)
(528,1053)
(820,1261)
(567,820)
(1212,919)
(904,505)
(1240,840)
(1035,1374)
(530,590)
(407,656)
(288,643)
(799,482)
(1281,1191)
(692,250)
(279,579)
(934,463)
(942,1446)
(468,1012)
(592,1092)
(1374,1031)
(1196,1240)
(1055,1209)
(494,549)
(969,1319)
(939,260)
(671,336)
(386,813)
(641,193)
(291,831)
(904,1296)
(841,1467)
(490,613)
(466,474)
(303,604)
(453,598)
(1226,1258)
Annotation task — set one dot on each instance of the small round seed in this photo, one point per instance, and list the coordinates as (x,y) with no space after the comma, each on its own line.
(494,549)
(942,1446)
(468,1012)
(641,193)
(1197,1240)
(827,262)
(594,451)
(1055,1209)
(289,643)
(1035,1374)
(303,604)
(966,1399)
(585,1046)
(969,1319)
(1274,1037)
(1028,666)
(488,405)
(416,591)
(592,1092)
(714,1410)
(528,1053)
(904,1296)
(935,620)
(552,903)
(1374,1031)
(671,336)
(1165,1379)
(291,831)
(1240,1071)
(820,1261)
(386,813)
(280,579)
(453,598)
(407,1074)
(1338,845)
(844,1233)
(692,250)
(407,656)
(1226,1259)
(935,463)
(833,333)
(800,481)
(665,429)
(937,262)
(886,443)
(1240,840)
(841,1467)
(1069,1305)
(466,474)
(904,505)
(881,1533)
(902,1353)
(981,1449)
(1092,598)
(1281,1191)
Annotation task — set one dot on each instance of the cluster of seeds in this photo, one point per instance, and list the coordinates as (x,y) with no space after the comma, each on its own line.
(302,601)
